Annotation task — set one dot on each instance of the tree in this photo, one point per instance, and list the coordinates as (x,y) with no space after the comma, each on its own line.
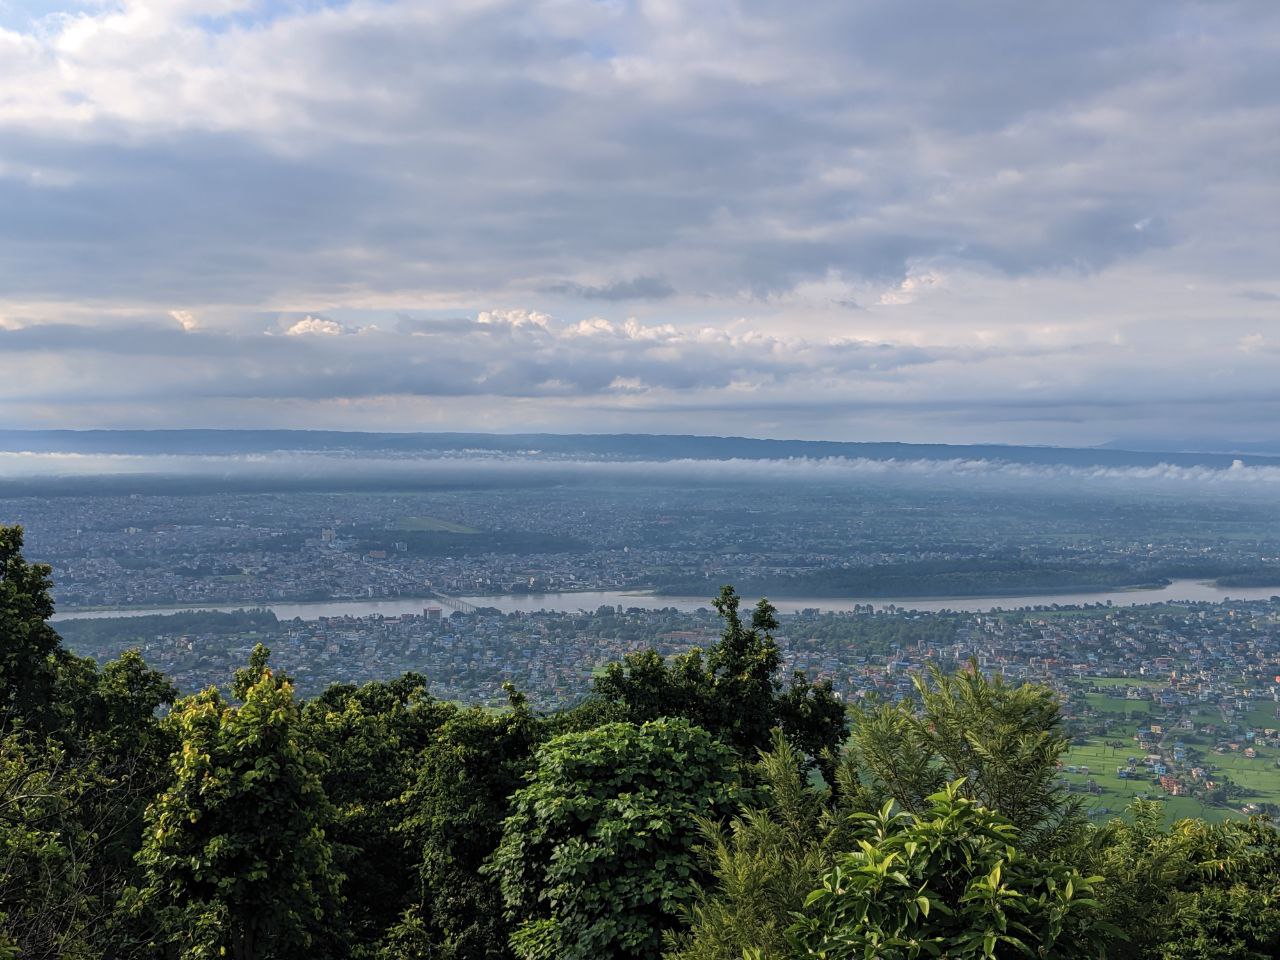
(733,690)
(761,866)
(235,857)
(950,881)
(29,647)
(48,908)
(454,813)
(123,751)
(371,737)
(83,754)
(597,858)
(244,678)
(742,673)
(1002,742)
(815,720)
(1192,891)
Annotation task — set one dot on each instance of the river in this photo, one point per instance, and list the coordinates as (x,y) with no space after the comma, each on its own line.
(590,600)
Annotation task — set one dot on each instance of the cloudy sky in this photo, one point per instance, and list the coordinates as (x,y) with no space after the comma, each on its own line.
(862,219)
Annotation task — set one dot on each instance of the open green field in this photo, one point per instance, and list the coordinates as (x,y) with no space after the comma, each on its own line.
(1260,775)
(1261,716)
(1105,682)
(1105,704)
(431,525)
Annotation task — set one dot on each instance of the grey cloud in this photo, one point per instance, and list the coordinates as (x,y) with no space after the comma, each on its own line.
(703,169)
(493,146)
(204,217)
(406,323)
(142,340)
(499,357)
(638,288)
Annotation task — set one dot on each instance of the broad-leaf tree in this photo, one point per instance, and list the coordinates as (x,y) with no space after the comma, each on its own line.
(454,813)
(733,689)
(29,647)
(597,858)
(49,906)
(1192,891)
(235,856)
(82,754)
(371,737)
(949,881)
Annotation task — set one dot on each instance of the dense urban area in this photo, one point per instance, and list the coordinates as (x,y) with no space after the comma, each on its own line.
(436,676)
(1179,700)
(886,540)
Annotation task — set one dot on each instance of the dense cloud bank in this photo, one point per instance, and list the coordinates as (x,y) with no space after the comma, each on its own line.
(879,218)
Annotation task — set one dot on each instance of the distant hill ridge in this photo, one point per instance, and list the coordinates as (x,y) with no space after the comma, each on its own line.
(624,446)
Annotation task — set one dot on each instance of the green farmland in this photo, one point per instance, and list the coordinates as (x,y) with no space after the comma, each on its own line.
(1259,776)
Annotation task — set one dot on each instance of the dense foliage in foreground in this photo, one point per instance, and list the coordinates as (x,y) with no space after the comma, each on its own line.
(693,809)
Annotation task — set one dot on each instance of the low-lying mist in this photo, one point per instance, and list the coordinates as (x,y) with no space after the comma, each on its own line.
(27,471)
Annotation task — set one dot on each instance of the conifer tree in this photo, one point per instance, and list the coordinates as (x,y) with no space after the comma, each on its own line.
(1002,741)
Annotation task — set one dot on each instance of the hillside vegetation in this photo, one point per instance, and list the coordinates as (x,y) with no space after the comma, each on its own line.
(694,808)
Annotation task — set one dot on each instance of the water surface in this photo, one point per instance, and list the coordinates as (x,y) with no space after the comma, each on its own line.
(592,599)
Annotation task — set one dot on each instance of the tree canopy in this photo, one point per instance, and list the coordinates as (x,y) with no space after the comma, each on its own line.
(732,689)
(235,861)
(597,855)
(676,812)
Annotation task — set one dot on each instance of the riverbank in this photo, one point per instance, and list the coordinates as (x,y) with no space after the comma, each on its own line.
(1173,592)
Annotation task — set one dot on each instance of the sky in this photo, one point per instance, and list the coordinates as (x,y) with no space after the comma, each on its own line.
(992,221)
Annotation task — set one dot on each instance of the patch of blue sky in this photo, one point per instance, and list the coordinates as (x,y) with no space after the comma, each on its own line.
(25,15)
(599,49)
(263,13)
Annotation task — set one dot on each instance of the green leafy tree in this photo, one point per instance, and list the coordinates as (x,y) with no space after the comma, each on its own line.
(235,857)
(84,755)
(29,647)
(245,678)
(732,690)
(123,751)
(407,940)
(371,737)
(1192,891)
(949,881)
(742,670)
(597,858)
(815,720)
(49,908)
(454,813)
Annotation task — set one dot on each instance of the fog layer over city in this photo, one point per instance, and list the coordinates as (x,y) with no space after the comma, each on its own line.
(286,468)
